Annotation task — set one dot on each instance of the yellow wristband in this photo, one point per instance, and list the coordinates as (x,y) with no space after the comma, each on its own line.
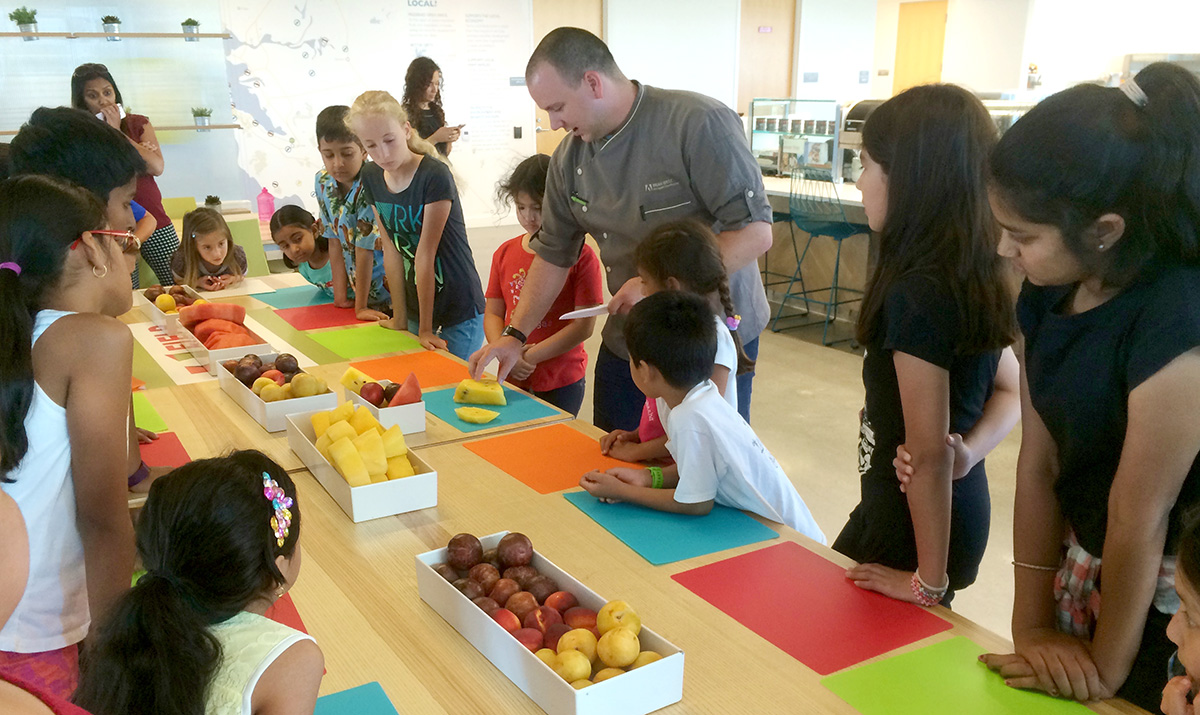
(656,477)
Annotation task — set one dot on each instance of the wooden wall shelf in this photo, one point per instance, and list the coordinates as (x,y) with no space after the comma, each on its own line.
(180,128)
(80,35)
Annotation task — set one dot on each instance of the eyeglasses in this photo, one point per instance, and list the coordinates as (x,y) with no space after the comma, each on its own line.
(129,242)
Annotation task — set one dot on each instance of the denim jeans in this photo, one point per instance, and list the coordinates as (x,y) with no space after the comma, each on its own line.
(462,339)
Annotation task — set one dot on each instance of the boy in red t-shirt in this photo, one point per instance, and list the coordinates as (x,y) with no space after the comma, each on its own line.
(554,362)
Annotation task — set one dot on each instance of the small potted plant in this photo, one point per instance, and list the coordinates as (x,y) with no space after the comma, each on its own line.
(26,20)
(112,26)
(191,27)
(202,116)
(213,202)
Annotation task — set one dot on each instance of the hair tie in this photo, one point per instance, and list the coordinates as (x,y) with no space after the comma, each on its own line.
(732,322)
(10,266)
(283,506)
(170,579)
(1135,93)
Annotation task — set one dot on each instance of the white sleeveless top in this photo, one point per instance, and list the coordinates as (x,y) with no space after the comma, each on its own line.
(249,644)
(53,612)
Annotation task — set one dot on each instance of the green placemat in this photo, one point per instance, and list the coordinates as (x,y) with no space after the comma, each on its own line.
(365,340)
(148,371)
(945,677)
(303,342)
(145,416)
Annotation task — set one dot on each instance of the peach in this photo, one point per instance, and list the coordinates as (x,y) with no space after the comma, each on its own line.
(470,589)
(561,601)
(617,613)
(503,590)
(580,639)
(515,549)
(618,648)
(531,638)
(580,617)
(646,657)
(485,574)
(486,604)
(521,603)
(507,619)
(546,655)
(523,575)
(541,587)
(607,673)
(464,551)
(572,665)
(541,618)
(553,633)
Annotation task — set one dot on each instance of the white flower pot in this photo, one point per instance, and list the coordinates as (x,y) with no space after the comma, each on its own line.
(114,31)
(202,122)
(30,27)
(191,30)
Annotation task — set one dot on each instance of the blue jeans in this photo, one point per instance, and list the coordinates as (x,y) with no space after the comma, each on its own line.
(568,398)
(462,339)
(616,400)
(745,383)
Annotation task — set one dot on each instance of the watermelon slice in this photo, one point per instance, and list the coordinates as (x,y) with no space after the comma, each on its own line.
(205,328)
(408,393)
(221,341)
(194,314)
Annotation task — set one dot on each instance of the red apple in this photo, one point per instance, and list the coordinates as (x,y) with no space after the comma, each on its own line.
(485,574)
(515,549)
(521,603)
(541,618)
(541,587)
(486,604)
(579,617)
(507,619)
(531,638)
(275,375)
(471,589)
(464,551)
(553,633)
(523,575)
(372,392)
(503,590)
(562,601)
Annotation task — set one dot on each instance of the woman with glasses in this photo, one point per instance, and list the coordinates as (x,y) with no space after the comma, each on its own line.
(423,104)
(94,91)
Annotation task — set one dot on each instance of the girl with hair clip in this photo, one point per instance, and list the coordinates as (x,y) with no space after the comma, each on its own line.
(936,318)
(65,368)
(207,258)
(1098,192)
(431,274)
(423,102)
(683,255)
(220,542)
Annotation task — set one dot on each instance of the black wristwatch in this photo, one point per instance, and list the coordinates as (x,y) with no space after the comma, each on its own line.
(513,332)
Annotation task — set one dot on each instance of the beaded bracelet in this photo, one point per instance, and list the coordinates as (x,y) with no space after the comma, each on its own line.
(1034,567)
(927,595)
(656,477)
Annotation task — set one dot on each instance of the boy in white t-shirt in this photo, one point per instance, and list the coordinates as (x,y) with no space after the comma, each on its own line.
(718,458)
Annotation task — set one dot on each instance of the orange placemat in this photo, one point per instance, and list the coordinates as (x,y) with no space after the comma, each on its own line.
(432,369)
(546,459)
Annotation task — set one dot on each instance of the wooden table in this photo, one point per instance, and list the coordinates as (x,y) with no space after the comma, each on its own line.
(358,596)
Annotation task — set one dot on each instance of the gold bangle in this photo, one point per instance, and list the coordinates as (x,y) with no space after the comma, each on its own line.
(1034,567)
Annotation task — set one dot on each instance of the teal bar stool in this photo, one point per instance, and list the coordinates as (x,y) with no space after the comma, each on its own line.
(816,210)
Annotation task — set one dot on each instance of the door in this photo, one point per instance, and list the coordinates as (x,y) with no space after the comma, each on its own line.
(920,41)
(547,15)
(765,51)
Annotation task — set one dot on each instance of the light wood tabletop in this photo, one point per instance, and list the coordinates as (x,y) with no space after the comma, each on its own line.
(357,594)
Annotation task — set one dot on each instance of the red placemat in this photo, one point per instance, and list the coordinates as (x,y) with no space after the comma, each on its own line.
(546,459)
(806,606)
(311,317)
(432,369)
(284,611)
(166,451)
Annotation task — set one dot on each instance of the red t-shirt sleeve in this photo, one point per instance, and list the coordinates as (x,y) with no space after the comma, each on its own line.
(589,286)
(494,277)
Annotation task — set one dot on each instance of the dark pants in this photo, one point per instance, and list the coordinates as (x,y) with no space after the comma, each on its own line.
(616,401)
(880,529)
(745,383)
(568,398)
(1148,677)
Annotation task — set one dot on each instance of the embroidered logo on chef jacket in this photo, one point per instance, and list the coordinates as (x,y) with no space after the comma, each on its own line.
(660,185)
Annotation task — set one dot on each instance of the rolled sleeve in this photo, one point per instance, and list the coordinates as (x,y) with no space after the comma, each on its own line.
(560,239)
(697,466)
(723,172)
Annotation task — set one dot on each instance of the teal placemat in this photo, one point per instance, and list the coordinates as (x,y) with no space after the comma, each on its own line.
(945,677)
(366,699)
(296,297)
(520,408)
(365,340)
(662,537)
(145,416)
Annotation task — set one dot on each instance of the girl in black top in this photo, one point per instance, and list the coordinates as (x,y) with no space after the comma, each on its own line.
(936,317)
(423,104)
(1098,192)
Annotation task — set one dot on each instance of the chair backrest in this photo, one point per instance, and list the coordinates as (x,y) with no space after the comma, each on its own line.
(246,234)
(814,198)
(176,206)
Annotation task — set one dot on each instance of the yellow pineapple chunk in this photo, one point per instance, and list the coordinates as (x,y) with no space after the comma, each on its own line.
(342,412)
(400,467)
(320,423)
(370,447)
(363,420)
(480,392)
(393,442)
(348,463)
(338,430)
(353,379)
(378,478)
(475,415)
(323,443)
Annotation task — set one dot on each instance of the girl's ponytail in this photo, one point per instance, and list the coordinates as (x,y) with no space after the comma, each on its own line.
(40,217)
(745,364)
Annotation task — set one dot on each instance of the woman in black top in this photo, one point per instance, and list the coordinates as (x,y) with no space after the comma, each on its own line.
(1098,192)
(423,103)
(936,317)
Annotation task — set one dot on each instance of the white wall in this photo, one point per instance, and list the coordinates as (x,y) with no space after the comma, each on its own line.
(836,39)
(677,44)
